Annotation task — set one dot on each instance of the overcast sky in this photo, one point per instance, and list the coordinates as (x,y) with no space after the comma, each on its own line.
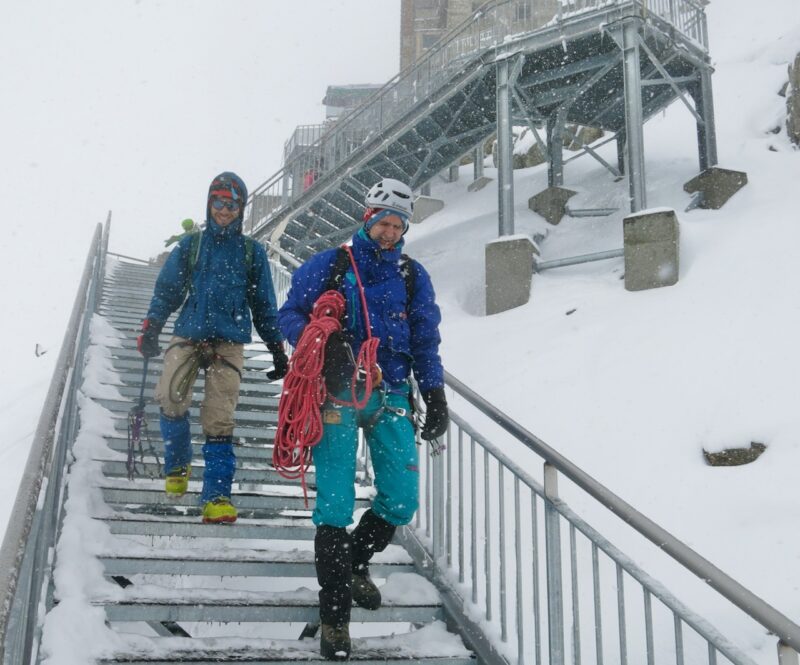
(133,106)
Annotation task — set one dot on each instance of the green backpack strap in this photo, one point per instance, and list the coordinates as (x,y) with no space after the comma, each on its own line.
(194,254)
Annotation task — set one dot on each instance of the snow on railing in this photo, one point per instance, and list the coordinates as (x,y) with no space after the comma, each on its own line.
(26,555)
(491,25)
(517,562)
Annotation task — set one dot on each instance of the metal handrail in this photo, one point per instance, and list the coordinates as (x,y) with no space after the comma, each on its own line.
(491,25)
(30,534)
(774,621)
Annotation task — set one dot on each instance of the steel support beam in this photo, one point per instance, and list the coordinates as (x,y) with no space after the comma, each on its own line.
(505,147)
(477,162)
(555,147)
(706,130)
(628,39)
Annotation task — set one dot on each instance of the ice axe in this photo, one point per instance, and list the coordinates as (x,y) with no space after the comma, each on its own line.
(136,425)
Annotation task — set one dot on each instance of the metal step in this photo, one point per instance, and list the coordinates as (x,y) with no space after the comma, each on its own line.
(245,475)
(248,504)
(254,418)
(278,528)
(395,649)
(250,452)
(245,431)
(259,563)
(251,366)
(250,384)
(246,402)
(182,605)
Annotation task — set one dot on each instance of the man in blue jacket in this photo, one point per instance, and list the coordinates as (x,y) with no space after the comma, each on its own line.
(404,316)
(227,277)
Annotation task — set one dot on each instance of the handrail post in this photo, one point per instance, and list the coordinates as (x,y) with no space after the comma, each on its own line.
(437,507)
(555,600)
(787,655)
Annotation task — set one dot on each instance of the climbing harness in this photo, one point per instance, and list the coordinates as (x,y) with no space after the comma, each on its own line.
(304,392)
(203,356)
(137,425)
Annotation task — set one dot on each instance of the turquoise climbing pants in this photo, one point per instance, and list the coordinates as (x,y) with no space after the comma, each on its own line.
(393,451)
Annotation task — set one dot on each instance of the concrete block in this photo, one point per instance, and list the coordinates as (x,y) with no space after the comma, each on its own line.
(509,270)
(717,186)
(424,207)
(551,203)
(652,243)
(480,183)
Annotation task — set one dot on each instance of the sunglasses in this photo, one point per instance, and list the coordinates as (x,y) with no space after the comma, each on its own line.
(219,204)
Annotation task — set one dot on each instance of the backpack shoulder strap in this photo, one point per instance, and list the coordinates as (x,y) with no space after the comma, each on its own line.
(409,273)
(194,250)
(249,249)
(340,267)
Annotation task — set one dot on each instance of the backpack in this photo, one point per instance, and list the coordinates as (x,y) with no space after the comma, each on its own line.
(342,264)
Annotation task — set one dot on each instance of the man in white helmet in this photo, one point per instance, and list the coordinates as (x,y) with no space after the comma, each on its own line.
(404,317)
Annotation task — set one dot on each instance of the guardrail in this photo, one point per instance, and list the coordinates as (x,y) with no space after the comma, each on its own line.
(492,537)
(493,24)
(26,555)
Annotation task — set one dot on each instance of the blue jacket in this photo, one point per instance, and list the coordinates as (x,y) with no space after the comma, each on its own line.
(222,295)
(409,334)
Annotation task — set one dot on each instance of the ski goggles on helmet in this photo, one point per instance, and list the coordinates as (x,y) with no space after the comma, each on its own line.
(219,204)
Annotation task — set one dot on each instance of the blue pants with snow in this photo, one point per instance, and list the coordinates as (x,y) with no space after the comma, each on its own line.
(218,453)
(177,442)
(394,454)
(220,467)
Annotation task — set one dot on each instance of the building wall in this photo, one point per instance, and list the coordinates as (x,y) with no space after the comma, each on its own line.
(424,22)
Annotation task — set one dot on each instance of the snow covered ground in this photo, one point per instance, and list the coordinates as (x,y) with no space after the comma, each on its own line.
(630,386)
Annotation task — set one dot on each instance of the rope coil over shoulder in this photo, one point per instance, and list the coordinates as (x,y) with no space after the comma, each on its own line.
(304,392)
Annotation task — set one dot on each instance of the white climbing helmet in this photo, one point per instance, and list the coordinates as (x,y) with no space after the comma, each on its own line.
(391,194)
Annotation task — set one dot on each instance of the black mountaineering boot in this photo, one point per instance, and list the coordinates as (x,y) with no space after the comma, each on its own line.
(371,535)
(333,557)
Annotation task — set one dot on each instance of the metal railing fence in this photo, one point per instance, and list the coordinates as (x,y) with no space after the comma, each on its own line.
(494,24)
(552,587)
(26,556)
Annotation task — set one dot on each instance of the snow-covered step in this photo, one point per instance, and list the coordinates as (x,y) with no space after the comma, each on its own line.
(249,383)
(119,362)
(403,601)
(254,452)
(430,644)
(245,473)
(236,562)
(261,417)
(245,401)
(149,493)
(244,430)
(278,528)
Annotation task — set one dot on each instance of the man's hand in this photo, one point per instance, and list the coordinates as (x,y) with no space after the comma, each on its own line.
(280,361)
(147,342)
(436,417)
(339,364)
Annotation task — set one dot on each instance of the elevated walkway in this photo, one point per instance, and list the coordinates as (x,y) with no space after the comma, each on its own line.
(610,64)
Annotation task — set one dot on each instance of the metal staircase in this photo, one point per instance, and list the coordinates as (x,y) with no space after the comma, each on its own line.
(602,63)
(180,576)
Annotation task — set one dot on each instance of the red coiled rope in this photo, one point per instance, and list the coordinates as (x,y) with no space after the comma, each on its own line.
(304,392)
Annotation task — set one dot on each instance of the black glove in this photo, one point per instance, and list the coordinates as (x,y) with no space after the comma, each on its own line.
(339,364)
(280,361)
(147,342)
(436,416)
